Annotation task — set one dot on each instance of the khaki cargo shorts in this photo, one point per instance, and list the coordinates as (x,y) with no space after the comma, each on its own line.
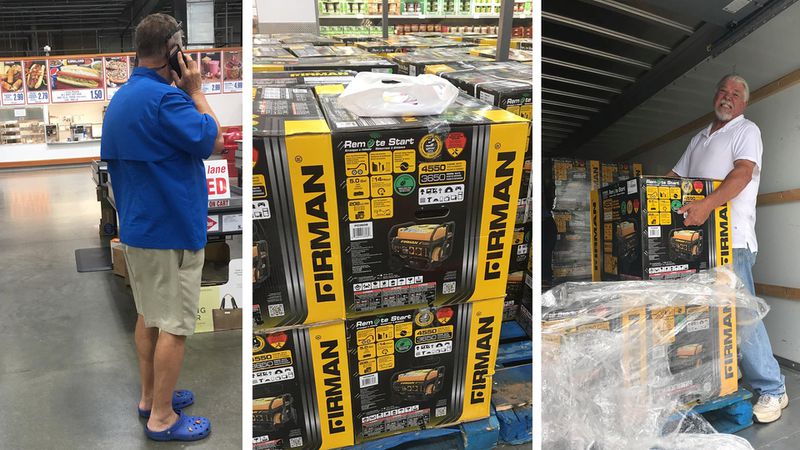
(166,287)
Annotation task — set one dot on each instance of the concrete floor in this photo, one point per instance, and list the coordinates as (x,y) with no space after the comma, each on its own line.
(68,372)
(785,433)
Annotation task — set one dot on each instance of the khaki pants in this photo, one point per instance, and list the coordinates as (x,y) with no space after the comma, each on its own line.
(166,287)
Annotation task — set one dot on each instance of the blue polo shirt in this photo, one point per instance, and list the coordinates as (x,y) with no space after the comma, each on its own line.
(155,141)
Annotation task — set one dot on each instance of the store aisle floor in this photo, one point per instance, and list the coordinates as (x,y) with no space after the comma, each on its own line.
(68,372)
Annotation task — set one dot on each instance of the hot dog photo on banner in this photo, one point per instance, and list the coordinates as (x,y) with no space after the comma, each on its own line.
(77,79)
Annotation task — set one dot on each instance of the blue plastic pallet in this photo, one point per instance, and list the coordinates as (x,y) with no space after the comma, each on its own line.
(512,403)
(727,414)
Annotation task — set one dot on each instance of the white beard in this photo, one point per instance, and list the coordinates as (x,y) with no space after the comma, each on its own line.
(722,115)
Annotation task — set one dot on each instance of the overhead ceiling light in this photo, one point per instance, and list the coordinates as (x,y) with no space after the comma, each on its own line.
(736,5)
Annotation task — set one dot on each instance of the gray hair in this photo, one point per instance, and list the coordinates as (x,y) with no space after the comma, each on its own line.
(155,33)
(737,79)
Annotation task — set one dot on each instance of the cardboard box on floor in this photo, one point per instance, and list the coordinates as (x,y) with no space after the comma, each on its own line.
(332,385)
(211,298)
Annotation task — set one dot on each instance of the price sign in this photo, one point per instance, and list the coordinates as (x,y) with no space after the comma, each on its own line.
(12,83)
(211,72)
(217,178)
(76,80)
(36,81)
(117,72)
(232,73)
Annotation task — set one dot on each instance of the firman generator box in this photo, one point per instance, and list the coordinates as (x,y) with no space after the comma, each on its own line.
(356,63)
(680,351)
(301,389)
(297,272)
(415,63)
(637,232)
(511,90)
(426,205)
(302,79)
(422,368)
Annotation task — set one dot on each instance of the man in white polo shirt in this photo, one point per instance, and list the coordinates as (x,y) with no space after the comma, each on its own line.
(729,149)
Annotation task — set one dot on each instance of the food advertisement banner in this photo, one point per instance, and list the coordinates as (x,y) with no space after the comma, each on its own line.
(232,73)
(117,71)
(12,84)
(36,81)
(77,80)
(211,72)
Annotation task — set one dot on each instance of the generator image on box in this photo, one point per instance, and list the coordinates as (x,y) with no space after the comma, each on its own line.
(419,384)
(426,204)
(685,244)
(422,246)
(273,413)
(637,232)
(422,368)
(297,272)
(301,389)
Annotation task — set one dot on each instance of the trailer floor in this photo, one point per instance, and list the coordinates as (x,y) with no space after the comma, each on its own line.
(68,370)
(783,434)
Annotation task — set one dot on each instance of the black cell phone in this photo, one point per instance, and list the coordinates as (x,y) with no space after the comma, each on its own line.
(173,60)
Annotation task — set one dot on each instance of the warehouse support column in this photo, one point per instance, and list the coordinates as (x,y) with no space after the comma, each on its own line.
(504,31)
(385,18)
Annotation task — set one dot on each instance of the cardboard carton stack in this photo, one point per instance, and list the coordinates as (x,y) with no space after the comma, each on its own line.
(574,181)
(381,251)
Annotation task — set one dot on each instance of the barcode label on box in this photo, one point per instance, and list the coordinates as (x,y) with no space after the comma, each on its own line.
(697,325)
(441,411)
(368,380)
(296,442)
(360,231)
(654,232)
(276,310)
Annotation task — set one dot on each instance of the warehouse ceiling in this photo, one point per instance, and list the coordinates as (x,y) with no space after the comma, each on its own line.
(603,58)
(37,21)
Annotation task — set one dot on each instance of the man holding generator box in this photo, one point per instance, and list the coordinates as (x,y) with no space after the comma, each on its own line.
(730,149)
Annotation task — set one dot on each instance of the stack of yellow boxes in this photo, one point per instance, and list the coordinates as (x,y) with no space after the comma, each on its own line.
(380,254)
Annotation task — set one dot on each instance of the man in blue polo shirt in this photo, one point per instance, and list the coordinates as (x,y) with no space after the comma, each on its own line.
(155,138)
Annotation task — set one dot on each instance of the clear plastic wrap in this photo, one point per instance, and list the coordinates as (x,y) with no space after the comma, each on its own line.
(621,362)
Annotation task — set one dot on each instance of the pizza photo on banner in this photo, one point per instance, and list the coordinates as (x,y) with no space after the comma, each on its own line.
(12,85)
(232,74)
(36,84)
(117,73)
(211,72)
(77,79)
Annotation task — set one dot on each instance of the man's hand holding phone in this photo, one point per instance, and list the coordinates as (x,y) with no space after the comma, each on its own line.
(189,80)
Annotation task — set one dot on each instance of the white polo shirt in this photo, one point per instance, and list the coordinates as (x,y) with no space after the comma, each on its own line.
(712,156)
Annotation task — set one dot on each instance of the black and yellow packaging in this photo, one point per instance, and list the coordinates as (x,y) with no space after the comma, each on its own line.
(301,389)
(509,89)
(416,63)
(687,352)
(422,368)
(317,51)
(426,204)
(296,251)
(303,79)
(638,234)
(355,63)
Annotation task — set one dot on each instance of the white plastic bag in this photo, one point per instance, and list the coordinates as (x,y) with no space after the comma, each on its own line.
(385,95)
